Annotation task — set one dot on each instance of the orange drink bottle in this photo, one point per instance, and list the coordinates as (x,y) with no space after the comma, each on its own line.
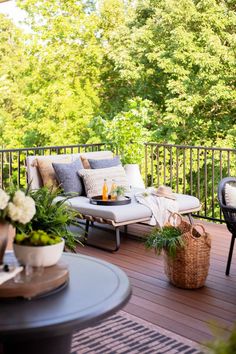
(105,190)
(113,190)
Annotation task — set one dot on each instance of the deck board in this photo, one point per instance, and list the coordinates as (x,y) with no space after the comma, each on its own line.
(154,299)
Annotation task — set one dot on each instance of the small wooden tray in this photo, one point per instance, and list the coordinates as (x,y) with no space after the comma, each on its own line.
(52,279)
(97,200)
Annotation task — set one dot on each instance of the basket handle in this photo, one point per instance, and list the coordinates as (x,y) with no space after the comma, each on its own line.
(201,226)
(172,215)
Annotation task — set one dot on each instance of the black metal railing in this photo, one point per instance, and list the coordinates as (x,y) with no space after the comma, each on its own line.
(194,170)
(12,161)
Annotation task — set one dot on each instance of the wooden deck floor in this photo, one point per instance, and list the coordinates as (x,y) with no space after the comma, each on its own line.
(185,312)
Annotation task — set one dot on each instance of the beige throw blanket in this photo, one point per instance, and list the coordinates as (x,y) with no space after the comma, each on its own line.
(161,207)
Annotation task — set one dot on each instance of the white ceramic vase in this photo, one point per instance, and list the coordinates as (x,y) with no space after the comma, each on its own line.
(39,256)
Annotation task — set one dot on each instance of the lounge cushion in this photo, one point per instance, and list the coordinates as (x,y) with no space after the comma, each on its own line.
(67,176)
(187,202)
(129,212)
(124,213)
(104,163)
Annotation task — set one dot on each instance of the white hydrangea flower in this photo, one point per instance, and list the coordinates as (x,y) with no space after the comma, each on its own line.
(14,212)
(4,199)
(22,209)
(19,198)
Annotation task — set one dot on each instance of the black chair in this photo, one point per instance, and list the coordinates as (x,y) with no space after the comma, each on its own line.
(229,215)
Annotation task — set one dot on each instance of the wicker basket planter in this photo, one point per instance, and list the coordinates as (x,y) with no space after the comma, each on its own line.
(189,268)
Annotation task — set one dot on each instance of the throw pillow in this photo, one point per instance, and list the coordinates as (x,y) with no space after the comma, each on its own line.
(94,179)
(47,172)
(104,163)
(67,176)
(230,195)
(85,162)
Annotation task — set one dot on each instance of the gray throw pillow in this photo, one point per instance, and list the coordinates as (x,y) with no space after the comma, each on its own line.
(68,178)
(104,163)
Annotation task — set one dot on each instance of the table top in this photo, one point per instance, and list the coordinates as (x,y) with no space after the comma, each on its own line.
(96,289)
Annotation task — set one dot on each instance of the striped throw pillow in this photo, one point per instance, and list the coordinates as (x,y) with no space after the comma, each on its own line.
(94,179)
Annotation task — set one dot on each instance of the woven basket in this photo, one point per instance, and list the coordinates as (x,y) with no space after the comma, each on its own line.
(189,268)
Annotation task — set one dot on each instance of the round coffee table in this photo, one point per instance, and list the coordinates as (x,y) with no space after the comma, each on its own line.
(45,325)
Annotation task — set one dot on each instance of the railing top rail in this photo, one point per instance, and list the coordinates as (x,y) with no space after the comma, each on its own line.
(52,147)
(190,147)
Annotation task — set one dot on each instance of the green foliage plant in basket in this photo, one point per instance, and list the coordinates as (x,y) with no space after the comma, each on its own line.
(186,252)
(169,238)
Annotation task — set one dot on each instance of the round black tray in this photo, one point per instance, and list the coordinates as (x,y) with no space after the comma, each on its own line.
(97,200)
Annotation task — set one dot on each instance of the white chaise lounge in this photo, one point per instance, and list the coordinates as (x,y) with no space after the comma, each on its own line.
(114,215)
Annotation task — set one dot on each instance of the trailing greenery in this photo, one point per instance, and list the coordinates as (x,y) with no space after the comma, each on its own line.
(52,216)
(169,238)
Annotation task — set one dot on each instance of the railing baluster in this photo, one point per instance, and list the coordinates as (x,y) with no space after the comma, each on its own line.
(198,174)
(18,168)
(171,168)
(152,165)
(158,166)
(177,170)
(191,170)
(213,184)
(184,171)
(2,166)
(205,182)
(220,177)
(146,166)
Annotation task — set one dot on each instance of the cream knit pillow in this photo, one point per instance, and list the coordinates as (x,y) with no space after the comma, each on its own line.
(94,179)
(230,195)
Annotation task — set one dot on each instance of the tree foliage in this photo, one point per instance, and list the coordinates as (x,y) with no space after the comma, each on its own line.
(181,56)
(120,71)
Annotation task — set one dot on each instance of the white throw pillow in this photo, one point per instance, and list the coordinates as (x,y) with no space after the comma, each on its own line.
(230,195)
(94,179)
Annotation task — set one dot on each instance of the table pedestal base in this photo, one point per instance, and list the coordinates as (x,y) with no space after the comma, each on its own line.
(41,345)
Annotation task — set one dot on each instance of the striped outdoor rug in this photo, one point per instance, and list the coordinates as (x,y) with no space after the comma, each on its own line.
(124,333)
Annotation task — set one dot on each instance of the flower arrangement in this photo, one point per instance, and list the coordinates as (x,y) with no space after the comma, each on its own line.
(16,208)
(38,214)
(53,216)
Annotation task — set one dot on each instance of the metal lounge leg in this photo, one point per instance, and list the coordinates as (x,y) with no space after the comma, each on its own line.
(117,240)
(191,220)
(87,227)
(230,254)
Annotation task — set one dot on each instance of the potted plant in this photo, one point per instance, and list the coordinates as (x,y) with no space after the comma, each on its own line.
(38,248)
(186,253)
(120,192)
(48,230)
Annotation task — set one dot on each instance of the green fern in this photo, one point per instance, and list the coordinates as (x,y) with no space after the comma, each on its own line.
(53,216)
(169,238)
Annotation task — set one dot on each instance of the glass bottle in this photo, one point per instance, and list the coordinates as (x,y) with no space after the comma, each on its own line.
(113,190)
(105,190)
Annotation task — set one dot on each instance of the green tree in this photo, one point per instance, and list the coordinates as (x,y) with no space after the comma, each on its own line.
(181,56)
(13,66)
